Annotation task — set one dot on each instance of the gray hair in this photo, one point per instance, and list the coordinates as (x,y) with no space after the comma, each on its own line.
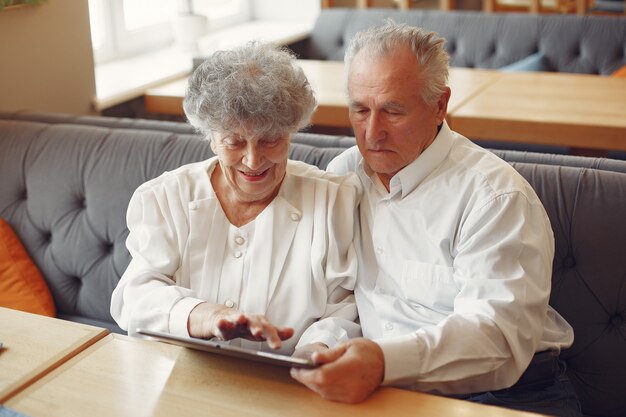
(256,88)
(428,48)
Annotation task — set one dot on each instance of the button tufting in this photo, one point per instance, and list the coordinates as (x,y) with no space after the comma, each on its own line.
(569,262)
(617,320)
(24,195)
(295,217)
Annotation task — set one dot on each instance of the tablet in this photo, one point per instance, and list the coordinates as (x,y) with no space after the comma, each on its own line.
(222,348)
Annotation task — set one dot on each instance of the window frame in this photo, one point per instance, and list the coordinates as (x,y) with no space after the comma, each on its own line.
(120,43)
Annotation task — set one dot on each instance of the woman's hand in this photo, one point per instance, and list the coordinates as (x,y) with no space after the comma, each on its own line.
(211,320)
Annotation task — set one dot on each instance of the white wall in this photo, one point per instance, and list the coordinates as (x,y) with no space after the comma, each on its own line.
(285,9)
(46,60)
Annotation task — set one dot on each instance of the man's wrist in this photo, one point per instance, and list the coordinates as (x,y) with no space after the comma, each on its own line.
(401,357)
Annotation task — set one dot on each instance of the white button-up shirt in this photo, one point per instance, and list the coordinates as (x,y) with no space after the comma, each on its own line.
(455,266)
(295,262)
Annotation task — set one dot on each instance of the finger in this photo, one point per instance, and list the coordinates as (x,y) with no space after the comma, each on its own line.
(285,333)
(271,335)
(312,377)
(230,325)
(329,355)
(260,329)
(240,319)
(304,376)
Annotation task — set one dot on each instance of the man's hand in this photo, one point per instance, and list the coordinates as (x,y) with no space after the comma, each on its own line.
(349,373)
(208,320)
(307,351)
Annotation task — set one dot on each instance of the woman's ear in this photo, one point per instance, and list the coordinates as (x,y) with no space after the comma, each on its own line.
(212,143)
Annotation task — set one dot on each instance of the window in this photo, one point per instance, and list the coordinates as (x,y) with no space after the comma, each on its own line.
(123,28)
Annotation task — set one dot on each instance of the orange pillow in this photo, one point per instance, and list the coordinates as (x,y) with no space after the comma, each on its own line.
(22,286)
(620,72)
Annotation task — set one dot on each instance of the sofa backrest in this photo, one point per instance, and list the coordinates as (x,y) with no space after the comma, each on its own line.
(66,183)
(65,190)
(586,210)
(562,43)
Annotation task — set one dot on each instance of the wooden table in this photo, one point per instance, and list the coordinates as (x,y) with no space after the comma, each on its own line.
(584,112)
(122,376)
(327,80)
(575,110)
(34,345)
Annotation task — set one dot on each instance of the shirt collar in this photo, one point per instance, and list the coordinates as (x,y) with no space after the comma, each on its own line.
(413,174)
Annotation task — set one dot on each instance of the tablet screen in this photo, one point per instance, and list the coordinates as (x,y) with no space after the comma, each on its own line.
(225,349)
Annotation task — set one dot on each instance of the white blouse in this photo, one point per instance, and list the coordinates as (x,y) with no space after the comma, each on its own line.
(295,263)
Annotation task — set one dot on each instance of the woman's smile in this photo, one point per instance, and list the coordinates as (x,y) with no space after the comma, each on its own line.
(254,176)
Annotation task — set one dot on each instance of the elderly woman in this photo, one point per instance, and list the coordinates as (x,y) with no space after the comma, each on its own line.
(246,244)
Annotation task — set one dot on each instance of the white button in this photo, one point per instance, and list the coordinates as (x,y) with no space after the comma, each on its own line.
(295,217)
(193,206)
(388,326)
(239,240)
(238,254)
(229,303)
(379,250)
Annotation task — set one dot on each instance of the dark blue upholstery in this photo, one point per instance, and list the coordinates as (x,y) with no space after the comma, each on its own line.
(566,43)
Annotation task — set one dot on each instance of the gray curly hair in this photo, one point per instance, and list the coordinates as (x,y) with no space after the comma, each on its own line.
(428,48)
(256,88)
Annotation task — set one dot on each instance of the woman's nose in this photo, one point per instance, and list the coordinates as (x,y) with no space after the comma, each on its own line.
(253,157)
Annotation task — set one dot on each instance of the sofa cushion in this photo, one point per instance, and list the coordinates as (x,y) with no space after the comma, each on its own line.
(22,287)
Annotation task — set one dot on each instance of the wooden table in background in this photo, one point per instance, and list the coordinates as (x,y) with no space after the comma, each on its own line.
(584,112)
(574,110)
(122,376)
(34,345)
(327,80)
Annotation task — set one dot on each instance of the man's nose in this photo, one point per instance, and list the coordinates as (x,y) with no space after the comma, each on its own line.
(375,129)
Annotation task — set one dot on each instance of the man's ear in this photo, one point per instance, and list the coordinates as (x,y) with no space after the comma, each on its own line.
(442,105)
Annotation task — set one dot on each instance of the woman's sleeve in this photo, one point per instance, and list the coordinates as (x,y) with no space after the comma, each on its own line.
(339,321)
(147,295)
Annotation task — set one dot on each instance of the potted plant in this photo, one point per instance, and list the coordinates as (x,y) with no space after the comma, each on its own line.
(7,3)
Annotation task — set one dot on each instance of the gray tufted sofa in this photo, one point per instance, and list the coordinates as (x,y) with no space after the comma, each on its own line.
(66,182)
(508,41)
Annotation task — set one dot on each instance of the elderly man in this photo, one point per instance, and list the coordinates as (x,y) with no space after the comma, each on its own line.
(455,248)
